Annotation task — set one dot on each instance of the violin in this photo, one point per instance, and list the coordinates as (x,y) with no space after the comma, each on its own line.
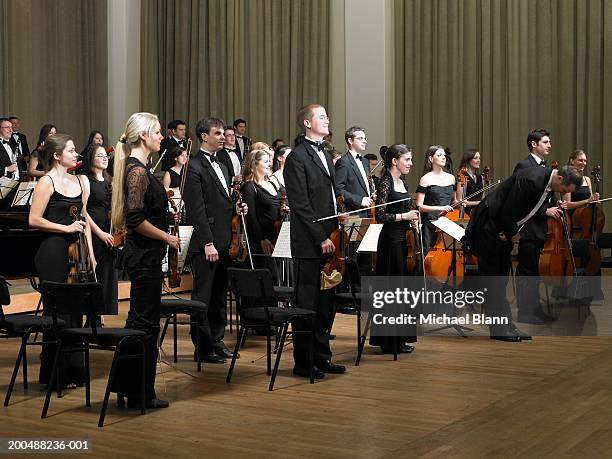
(283,215)
(557,259)
(486,179)
(413,258)
(237,250)
(588,223)
(334,267)
(81,269)
(174,277)
(372,210)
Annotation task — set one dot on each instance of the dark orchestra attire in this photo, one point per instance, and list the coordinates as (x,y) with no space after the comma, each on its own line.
(98,208)
(473,186)
(175,179)
(581,193)
(351,182)
(141,258)
(435,195)
(167,145)
(311,191)
(499,212)
(264,211)
(392,249)
(52,264)
(209,208)
(530,245)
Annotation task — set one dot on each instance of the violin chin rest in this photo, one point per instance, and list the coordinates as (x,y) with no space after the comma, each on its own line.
(328,282)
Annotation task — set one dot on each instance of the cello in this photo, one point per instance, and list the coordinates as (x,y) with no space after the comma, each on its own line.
(588,223)
(81,269)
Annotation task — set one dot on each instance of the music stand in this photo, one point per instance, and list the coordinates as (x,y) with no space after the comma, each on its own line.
(23,197)
(6,186)
(455,232)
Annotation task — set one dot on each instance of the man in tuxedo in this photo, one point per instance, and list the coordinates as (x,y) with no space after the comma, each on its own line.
(228,156)
(373,160)
(177,136)
(494,227)
(532,237)
(243,143)
(8,156)
(209,209)
(352,172)
(311,190)
(19,141)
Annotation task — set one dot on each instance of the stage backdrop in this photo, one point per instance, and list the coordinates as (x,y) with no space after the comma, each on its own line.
(482,73)
(254,59)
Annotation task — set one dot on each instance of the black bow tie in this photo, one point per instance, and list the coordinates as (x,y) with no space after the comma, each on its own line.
(5,141)
(358,157)
(212,158)
(230,149)
(543,162)
(320,146)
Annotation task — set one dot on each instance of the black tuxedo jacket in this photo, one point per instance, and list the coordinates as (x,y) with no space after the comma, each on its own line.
(309,190)
(5,160)
(224,158)
(535,228)
(208,207)
(247,145)
(510,202)
(23,141)
(168,144)
(350,182)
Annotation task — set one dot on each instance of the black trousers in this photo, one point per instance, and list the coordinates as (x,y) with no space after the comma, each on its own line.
(308,295)
(527,272)
(210,287)
(145,299)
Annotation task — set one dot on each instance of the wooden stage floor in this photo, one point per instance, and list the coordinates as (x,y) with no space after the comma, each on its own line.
(453,397)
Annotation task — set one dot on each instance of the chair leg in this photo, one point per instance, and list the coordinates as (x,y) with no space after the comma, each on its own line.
(243,341)
(111,377)
(242,331)
(143,377)
(311,353)
(197,340)
(231,319)
(25,362)
(358,329)
(164,330)
(175,329)
(363,339)
(269,351)
(394,347)
(87,377)
(55,370)
(16,370)
(284,327)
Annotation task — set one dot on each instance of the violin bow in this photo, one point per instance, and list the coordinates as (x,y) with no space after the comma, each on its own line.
(360,210)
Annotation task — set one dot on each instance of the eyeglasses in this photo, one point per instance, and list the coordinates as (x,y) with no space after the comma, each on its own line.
(361,138)
(6,126)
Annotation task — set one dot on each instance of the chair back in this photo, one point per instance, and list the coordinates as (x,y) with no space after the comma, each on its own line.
(84,299)
(5,297)
(252,287)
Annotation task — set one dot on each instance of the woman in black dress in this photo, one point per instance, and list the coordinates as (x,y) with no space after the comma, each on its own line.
(435,193)
(583,195)
(36,166)
(95,163)
(392,249)
(139,204)
(470,160)
(263,199)
(172,177)
(54,195)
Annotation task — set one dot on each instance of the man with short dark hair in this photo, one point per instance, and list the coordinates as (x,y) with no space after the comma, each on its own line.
(311,189)
(374,168)
(177,136)
(228,156)
(8,155)
(533,235)
(209,208)
(495,224)
(19,141)
(243,143)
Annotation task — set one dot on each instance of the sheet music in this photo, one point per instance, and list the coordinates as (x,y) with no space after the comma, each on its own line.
(449,227)
(359,226)
(23,197)
(6,185)
(282,249)
(369,243)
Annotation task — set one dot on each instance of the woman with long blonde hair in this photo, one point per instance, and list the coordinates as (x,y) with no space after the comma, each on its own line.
(139,205)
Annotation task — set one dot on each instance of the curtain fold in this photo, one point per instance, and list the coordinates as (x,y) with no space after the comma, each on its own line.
(255,59)
(482,73)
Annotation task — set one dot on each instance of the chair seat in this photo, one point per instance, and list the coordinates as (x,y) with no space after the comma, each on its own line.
(283,292)
(19,324)
(106,336)
(277,315)
(181,306)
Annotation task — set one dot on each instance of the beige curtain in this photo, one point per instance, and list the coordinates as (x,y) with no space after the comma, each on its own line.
(260,60)
(53,70)
(482,73)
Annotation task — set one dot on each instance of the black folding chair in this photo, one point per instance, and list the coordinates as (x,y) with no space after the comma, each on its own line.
(87,299)
(349,302)
(21,326)
(254,292)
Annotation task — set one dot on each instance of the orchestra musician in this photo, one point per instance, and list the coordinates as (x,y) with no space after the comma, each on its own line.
(392,249)
(310,179)
(172,177)
(95,165)
(493,228)
(36,166)
(263,199)
(278,165)
(471,161)
(8,153)
(55,193)
(435,193)
(228,155)
(209,208)
(352,172)
(139,205)
(584,194)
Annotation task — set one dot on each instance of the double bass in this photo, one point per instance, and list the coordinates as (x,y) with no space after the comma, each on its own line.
(81,269)
(588,223)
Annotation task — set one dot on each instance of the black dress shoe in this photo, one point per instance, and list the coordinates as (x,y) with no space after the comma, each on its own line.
(153,403)
(505,334)
(225,353)
(521,334)
(406,349)
(302,373)
(210,358)
(328,367)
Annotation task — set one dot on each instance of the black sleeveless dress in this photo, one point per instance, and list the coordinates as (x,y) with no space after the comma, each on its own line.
(175,179)
(435,195)
(51,262)
(98,208)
